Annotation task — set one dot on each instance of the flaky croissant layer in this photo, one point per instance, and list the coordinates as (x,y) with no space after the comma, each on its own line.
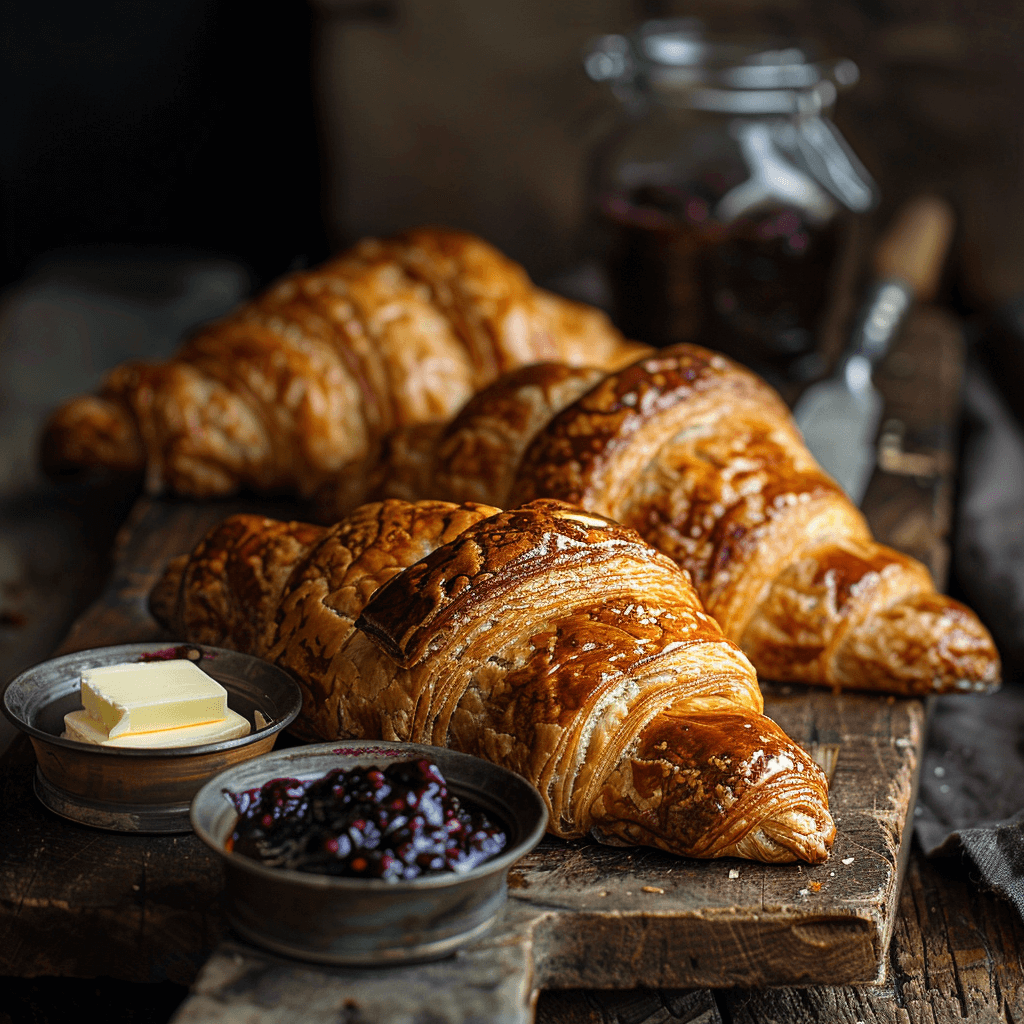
(548,640)
(285,390)
(703,459)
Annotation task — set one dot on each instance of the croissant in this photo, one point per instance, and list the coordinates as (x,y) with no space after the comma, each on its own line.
(703,459)
(553,642)
(291,386)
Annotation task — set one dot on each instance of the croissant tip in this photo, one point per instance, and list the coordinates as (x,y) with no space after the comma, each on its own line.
(90,434)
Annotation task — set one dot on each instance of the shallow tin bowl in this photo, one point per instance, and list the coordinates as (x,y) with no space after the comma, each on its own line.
(357,921)
(135,790)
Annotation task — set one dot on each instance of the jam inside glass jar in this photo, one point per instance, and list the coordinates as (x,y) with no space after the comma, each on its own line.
(756,288)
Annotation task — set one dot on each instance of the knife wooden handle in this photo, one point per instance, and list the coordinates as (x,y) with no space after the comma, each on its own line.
(913,248)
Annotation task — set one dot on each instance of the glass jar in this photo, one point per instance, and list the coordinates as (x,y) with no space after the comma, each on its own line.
(725,191)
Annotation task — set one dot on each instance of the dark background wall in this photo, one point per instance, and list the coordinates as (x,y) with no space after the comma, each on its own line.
(145,122)
(271,131)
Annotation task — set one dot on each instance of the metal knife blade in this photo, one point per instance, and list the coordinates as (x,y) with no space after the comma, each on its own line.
(839,416)
(839,423)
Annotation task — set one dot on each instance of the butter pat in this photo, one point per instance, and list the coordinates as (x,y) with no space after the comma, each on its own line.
(148,696)
(81,726)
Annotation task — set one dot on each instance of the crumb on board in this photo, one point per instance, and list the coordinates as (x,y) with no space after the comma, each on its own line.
(847,861)
(734,872)
(652,888)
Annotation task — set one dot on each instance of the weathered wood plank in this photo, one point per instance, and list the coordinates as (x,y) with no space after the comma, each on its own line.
(944,963)
(957,954)
(598,916)
(485,982)
(635,1006)
(77,902)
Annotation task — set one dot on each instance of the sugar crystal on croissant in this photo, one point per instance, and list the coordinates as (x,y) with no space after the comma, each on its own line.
(548,640)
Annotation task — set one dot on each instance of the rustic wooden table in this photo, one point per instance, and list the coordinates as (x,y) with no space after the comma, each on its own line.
(75,903)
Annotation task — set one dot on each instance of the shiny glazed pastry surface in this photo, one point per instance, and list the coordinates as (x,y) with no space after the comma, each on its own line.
(285,390)
(703,459)
(548,640)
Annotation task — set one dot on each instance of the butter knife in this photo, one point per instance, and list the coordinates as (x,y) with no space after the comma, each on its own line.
(839,416)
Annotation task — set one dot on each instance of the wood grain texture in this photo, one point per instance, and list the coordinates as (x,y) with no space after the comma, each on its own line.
(78,902)
(482,983)
(635,1006)
(957,954)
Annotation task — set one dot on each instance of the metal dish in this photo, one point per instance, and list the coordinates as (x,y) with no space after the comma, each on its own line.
(132,790)
(365,922)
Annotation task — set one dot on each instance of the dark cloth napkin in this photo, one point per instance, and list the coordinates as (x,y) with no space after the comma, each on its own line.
(971,799)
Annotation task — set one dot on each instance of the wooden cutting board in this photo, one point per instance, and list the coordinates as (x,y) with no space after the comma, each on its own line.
(580,914)
(79,902)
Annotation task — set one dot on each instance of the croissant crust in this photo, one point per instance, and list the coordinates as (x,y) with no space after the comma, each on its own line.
(554,642)
(703,459)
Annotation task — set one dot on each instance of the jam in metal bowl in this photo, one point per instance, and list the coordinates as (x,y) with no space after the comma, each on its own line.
(359,918)
(397,822)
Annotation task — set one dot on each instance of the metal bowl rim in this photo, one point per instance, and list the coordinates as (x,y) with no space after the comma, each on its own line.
(501,861)
(153,752)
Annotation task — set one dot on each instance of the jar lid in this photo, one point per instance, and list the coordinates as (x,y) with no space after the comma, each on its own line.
(684,64)
(778,95)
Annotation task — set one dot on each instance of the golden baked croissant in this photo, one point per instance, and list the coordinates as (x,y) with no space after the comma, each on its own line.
(281,393)
(703,459)
(545,639)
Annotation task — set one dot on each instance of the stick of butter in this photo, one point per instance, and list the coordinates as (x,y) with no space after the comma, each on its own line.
(147,696)
(81,726)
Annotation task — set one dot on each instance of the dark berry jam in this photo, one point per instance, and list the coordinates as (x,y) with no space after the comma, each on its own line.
(399,822)
(183,652)
(756,288)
